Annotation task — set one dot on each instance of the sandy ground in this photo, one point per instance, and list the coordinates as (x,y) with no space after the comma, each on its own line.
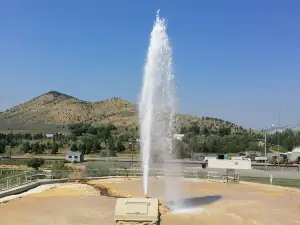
(13,167)
(208,203)
(73,204)
(36,190)
(223,204)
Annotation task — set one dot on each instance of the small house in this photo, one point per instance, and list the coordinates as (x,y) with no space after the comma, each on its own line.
(198,156)
(75,156)
(49,135)
(178,136)
(294,155)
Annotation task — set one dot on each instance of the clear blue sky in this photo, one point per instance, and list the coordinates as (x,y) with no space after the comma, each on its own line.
(235,60)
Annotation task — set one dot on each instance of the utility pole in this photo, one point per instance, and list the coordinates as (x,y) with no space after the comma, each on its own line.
(132,154)
(278,154)
(266,151)
(190,145)
(108,150)
(11,135)
(132,143)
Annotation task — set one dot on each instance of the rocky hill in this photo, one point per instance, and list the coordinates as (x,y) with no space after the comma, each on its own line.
(55,108)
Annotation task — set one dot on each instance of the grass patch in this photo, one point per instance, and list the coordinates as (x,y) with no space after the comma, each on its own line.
(276,181)
(10,172)
(23,162)
(280,149)
(25,131)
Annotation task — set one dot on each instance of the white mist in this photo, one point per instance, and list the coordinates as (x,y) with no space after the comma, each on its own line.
(157,108)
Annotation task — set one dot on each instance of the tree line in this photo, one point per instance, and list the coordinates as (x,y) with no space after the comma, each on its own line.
(109,140)
(98,138)
(223,140)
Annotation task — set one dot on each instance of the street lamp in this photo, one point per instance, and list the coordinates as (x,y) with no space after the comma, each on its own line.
(266,151)
(131,144)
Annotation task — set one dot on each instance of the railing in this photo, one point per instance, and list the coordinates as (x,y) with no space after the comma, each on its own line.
(224,178)
(93,173)
(10,172)
(276,167)
(20,179)
(32,176)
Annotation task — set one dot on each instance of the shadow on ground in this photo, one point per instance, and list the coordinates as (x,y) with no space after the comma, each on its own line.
(194,202)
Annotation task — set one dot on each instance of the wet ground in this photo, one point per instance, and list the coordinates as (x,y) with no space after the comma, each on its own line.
(205,203)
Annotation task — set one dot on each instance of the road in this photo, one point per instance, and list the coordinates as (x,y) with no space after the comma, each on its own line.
(129,159)
(286,171)
(87,158)
(119,159)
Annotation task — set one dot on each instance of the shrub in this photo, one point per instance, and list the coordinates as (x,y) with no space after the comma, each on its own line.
(36,163)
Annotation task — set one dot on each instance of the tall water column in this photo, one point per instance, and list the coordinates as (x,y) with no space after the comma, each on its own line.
(157,108)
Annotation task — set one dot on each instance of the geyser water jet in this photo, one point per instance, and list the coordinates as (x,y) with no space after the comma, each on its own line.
(157,108)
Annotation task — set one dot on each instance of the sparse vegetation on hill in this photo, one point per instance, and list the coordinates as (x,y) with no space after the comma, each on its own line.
(54,110)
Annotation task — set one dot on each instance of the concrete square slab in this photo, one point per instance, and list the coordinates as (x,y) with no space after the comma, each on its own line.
(136,209)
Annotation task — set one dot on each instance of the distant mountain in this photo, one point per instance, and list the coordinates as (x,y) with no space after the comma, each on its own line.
(57,108)
(54,109)
(273,129)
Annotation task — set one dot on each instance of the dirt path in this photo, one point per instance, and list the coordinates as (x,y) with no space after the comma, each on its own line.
(68,205)
(224,204)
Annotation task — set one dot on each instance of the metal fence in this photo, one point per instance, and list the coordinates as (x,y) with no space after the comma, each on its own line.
(275,167)
(20,179)
(90,173)
(33,176)
(10,172)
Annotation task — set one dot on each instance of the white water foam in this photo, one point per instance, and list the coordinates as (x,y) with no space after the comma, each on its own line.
(188,210)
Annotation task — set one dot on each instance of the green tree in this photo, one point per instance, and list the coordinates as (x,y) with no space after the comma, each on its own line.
(42,147)
(205,131)
(88,146)
(82,148)
(25,147)
(111,147)
(92,130)
(36,147)
(36,163)
(54,148)
(96,145)
(74,147)
(224,131)
(120,147)
(48,145)
(2,147)
(195,128)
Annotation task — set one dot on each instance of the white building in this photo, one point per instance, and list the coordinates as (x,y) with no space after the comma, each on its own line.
(49,135)
(75,157)
(294,155)
(229,164)
(178,136)
(199,156)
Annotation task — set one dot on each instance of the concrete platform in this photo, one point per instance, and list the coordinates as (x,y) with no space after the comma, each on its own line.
(136,209)
(26,187)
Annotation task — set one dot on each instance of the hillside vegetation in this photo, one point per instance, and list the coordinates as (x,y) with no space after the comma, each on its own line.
(57,108)
(107,127)
(111,127)
(54,109)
